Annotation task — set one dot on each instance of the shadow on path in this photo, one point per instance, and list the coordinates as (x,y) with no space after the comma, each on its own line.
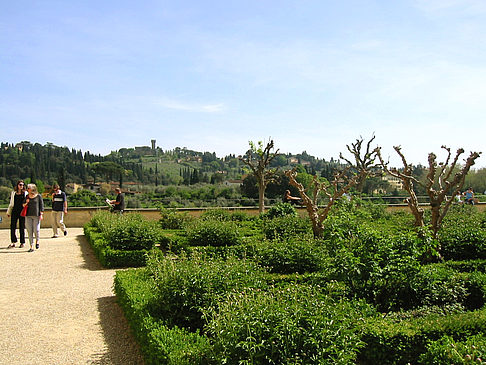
(122,349)
(90,261)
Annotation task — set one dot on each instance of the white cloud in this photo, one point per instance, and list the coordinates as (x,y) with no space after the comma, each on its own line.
(190,107)
(439,7)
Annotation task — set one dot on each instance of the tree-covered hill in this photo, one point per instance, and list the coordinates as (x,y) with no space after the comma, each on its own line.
(156,167)
(146,165)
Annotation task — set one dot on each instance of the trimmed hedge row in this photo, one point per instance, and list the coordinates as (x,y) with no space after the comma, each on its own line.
(408,341)
(123,241)
(279,296)
(159,343)
(109,257)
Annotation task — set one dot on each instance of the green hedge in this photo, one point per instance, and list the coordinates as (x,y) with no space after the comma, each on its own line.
(109,257)
(123,241)
(212,233)
(296,324)
(159,343)
(405,342)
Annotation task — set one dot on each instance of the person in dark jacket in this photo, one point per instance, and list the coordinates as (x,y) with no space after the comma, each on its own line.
(119,202)
(13,211)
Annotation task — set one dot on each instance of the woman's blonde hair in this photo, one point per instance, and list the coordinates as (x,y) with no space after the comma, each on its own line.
(33,187)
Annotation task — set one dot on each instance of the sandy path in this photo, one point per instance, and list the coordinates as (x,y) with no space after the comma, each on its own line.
(57,306)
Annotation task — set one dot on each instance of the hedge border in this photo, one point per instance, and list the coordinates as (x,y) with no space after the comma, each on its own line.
(159,343)
(110,258)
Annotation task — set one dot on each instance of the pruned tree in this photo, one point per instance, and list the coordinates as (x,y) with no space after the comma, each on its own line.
(407,178)
(443,181)
(350,176)
(258,159)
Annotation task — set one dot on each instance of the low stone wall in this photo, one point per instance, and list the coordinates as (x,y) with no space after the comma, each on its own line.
(78,217)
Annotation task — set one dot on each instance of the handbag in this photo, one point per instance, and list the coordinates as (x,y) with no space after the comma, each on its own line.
(23,213)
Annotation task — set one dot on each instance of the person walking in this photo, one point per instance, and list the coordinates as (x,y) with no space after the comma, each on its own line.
(59,208)
(13,211)
(35,213)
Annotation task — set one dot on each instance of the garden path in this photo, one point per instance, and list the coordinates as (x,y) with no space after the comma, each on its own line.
(57,305)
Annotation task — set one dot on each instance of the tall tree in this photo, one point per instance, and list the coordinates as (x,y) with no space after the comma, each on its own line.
(350,176)
(443,180)
(258,159)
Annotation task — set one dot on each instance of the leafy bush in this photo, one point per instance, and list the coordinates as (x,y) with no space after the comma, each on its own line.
(183,287)
(172,219)
(291,256)
(285,227)
(463,239)
(216,214)
(280,210)
(109,257)
(401,343)
(86,198)
(448,351)
(103,220)
(133,232)
(292,325)
(212,233)
(160,344)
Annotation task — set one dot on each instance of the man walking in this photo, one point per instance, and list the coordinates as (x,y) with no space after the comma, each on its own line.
(59,208)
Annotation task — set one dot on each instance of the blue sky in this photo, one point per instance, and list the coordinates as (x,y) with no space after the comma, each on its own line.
(314,75)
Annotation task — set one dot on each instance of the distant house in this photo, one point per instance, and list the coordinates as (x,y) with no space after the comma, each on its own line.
(394,182)
(233,182)
(293,160)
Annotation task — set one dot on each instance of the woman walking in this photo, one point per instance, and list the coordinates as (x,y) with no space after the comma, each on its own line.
(14,208)
(34,215)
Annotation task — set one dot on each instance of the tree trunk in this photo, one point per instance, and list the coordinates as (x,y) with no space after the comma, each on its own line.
(261,195)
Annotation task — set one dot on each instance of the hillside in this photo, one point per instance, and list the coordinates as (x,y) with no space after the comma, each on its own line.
(145,165)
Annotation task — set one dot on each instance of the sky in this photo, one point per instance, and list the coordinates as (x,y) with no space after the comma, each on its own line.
(313,75)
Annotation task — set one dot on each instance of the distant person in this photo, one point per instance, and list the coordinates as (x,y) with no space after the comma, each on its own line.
(35,213)
(119,202)
(14,208)
(469,196)
(288,198)
(59,209)
(459,198)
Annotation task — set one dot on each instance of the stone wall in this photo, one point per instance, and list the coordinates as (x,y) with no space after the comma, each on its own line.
(77,217)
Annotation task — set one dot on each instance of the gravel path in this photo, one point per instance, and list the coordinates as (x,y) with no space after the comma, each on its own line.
(57,306)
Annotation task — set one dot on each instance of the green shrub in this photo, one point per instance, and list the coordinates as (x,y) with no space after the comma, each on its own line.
(291,256)
(286,226)
(280,210)
(103,220)
(133,232)
(240,216)
(374,265)
(218,214)
(183,287)
(462,236)
(172,219)
(212,233)
(467,265)
(447,351)
(404,342)
(109,257)
(292,325)
(159,344)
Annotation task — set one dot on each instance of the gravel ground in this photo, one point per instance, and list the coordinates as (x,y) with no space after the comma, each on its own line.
(57,305)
